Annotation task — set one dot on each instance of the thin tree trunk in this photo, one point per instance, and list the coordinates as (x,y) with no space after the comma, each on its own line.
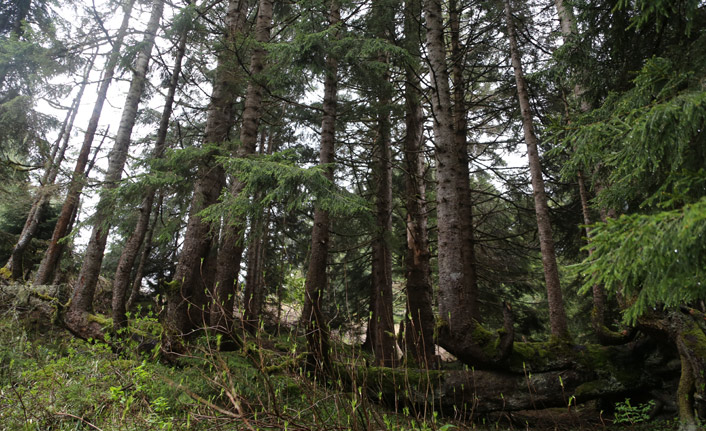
(15,264)
(419,320)
(557,315)
(567,23)
(210,180)
(253,292)
(51,258)
(132,246)
(231,254)
(146,248)
(317,331)
(82,299)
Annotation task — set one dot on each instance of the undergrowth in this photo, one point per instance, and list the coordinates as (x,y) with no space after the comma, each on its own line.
(50,380)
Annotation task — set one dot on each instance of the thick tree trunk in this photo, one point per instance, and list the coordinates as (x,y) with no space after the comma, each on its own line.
(567,22)
(227,270)
(458,329)
(210,180)
(381,324)
(132,246)
(317,333)
(381,320)
(252,112)
(82,299)
(51,259)
(557,315)
(460,135)
(419,321)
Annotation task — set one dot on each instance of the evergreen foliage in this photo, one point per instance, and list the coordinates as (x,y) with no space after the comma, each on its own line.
(654,260)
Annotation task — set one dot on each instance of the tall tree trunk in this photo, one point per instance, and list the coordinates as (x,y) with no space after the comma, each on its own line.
(419,319)
(452,300)
(82,299)
(231,254)
(456,334)
(460,135)
(53,165)
(381,320)
(381,325)
(567,23)
(210,180)
(51,259)
(557,315)
(317,332)
(132,246)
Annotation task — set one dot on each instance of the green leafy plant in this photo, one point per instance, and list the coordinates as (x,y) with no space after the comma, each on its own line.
(626,413)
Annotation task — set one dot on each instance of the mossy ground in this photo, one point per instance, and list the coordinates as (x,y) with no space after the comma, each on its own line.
(50,380)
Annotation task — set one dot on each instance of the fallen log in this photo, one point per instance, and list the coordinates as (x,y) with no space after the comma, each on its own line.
(536,376)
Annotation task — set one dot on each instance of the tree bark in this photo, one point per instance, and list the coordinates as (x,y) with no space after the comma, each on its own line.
(686,332)
(537,376)
(82,299)
(252,114)
(51,259)
(210,180)
(317,332)
(458,328)
(132,246)
(419,319)
(381,322)
(557,315)
(460,135)
(254,283)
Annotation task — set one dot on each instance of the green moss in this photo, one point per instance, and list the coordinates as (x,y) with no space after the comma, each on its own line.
(532,356)
(172,286)
(591,389)
(104,321)
(695,339)
(5,273)
(388,383)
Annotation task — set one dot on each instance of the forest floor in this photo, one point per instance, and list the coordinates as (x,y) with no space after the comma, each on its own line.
(50,380)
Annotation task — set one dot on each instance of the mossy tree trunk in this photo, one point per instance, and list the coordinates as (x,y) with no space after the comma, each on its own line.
(536,376)
(686,333)
(252,113)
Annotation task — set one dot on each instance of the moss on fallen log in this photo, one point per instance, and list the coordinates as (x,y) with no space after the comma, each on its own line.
(538,376)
